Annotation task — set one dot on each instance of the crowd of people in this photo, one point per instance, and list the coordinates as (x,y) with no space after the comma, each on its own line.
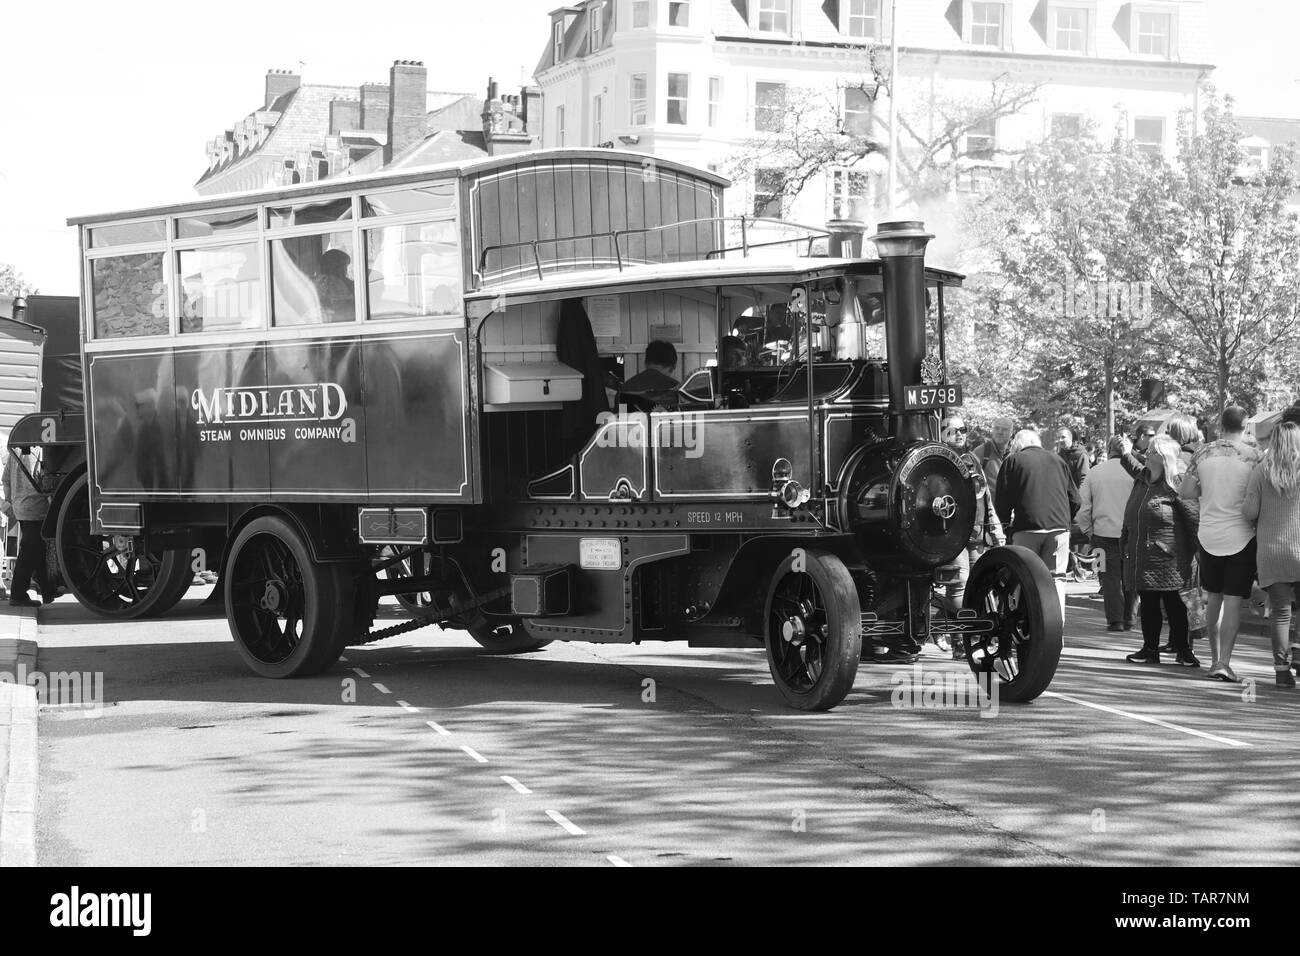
(1181,528)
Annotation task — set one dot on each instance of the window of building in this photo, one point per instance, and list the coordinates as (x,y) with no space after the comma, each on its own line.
(598,120)
(559,126)
(414,270)
(987,24)
(640,13)
(1067,125)
(679,13)
(769,107)
(715,99)
(1069,29)
(861,18)
(771,16)
(1153,33)
(637,100)
(850,194)
(312,279)
(982,140)
(1254,157)
(1149,134)
(596,14)
(678,94)
(769,184)
(857,111)
(557,40)
(221,287)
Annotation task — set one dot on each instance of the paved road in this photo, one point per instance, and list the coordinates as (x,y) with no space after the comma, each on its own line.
(422,749)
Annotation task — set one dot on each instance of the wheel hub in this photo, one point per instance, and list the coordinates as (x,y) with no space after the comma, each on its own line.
(122,543)
(793,630)
(274,597)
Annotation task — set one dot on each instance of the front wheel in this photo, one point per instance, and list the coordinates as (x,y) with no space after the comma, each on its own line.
(113,575)
(290,616)
(813,632)
(1011,587)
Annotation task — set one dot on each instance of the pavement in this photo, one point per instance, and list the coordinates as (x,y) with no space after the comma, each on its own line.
(18,706)
(1087,594)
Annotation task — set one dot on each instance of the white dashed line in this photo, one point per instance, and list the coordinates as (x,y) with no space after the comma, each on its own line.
(473,753)
(380,687)
(1149,720)
(564,823)
(442,730)
(617,860)
(405,706)
(516,785)
(360,673)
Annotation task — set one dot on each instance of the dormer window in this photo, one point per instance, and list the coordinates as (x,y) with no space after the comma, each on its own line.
(770,16)
(1070,29)
(596,13)
(861,18)
(988,24)
(640,13)
(1150,29)
(1153,33)
(557,40)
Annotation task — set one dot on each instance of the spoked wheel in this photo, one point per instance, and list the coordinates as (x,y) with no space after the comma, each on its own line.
(289,615)
(111,574)
(1012,587)
(417,565)
(814,630)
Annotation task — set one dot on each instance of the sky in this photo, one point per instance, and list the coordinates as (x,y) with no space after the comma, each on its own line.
(108,106)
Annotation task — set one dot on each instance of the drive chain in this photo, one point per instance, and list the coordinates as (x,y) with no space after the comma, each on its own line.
(436,616)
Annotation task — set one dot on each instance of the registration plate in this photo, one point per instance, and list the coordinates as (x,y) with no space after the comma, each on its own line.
(600,554)
(930,396)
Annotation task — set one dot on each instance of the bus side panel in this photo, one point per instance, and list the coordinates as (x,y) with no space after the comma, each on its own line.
(215,455)
(134,426)
(418,417)
(319,446)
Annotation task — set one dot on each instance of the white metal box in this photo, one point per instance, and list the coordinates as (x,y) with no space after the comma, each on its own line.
(530,385)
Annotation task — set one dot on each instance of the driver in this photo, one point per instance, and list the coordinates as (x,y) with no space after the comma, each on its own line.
(656,383)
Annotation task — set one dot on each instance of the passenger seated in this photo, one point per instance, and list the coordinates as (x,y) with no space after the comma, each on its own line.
(733,352)
(334,287)
(655,385)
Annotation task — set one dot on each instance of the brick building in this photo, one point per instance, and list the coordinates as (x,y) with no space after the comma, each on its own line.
(310,131)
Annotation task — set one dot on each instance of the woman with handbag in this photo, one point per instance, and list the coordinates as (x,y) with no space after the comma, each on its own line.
(1158,542)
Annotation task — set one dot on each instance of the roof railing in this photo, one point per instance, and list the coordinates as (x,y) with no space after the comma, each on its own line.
(614,235)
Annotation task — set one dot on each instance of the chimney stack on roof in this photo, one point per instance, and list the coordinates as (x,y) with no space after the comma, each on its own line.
(279,82)
(408,98)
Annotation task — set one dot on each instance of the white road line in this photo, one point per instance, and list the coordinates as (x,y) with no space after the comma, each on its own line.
(405,706)
(360,673)
(518,787)
(380,687)
(565,824)
(442,730)
(1149,720)
(473,753)
(617,860)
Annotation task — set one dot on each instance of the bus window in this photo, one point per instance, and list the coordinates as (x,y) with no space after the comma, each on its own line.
(128,233)
(221,288)
(312,279)
(414,270)
(130,295)
(437,198)
(216,224)
(304,214)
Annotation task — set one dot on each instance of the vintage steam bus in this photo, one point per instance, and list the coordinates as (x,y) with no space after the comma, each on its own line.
(409,384)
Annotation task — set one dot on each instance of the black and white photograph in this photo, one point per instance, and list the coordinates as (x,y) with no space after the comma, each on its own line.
(653,433)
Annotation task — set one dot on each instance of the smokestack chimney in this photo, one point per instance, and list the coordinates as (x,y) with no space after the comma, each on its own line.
(279,82)
(374,106)
(408,98)
(901,246)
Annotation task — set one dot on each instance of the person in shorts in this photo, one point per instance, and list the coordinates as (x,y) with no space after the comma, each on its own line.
(1218,476)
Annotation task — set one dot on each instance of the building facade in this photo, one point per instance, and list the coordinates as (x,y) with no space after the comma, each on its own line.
(714,82)
(310,131)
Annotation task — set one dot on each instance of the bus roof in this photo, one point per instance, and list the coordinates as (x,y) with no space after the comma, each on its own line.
(714,272)
(397,177)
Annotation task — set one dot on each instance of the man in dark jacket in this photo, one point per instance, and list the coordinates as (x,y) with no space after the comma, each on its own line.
(1036,500)
(1073,454)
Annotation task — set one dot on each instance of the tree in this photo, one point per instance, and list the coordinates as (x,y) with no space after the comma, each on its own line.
(1066,278)
(1221,249)
(12,282)
(809,132)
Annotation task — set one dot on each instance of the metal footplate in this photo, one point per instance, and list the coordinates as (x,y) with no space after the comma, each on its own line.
(965,622)
(436,616)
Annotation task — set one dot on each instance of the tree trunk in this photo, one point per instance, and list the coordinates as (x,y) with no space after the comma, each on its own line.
(1108,394)
(1222,392)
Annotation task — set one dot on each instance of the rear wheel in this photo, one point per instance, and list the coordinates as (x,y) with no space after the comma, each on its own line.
(111,574)
(1013,588)
(290,616)
(814,630)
